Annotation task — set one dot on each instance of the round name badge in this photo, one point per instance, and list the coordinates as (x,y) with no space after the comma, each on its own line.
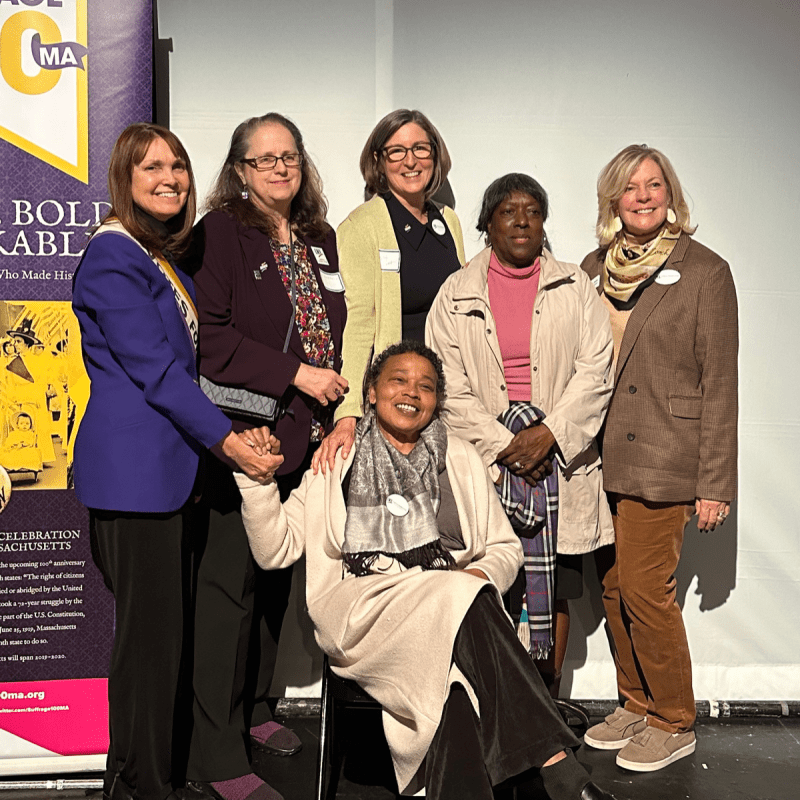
(668,276)
(438,227)
(397,505)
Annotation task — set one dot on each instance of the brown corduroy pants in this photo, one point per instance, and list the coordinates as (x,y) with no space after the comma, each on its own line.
(654,669)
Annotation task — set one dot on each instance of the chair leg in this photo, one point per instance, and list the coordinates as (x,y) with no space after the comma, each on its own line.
(324,740)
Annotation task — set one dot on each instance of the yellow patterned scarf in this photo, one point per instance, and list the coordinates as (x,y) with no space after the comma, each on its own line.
(627,265)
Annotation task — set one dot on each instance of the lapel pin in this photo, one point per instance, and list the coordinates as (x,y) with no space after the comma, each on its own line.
(407,228)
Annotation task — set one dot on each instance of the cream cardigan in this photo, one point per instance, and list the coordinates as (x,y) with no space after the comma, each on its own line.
(374,306)
(392,632)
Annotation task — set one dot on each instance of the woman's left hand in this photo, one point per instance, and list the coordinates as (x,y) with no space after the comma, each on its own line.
(711,513)
(262,440)
(527,451)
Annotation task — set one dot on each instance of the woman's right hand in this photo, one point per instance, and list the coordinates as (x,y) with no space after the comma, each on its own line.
(322,384)
(343,435)
(260,468)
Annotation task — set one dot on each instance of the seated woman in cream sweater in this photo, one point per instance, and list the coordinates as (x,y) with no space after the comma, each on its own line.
(408,550)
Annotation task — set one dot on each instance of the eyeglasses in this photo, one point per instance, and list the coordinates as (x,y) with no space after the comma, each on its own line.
(266,163)
(421,150)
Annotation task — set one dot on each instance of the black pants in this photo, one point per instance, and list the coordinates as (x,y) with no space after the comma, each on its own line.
(219,747)
(238,617)
(271,600)
(146,563)
(519,725)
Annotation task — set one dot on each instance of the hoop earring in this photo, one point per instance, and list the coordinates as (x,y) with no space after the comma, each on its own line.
(671,217)
(245,193)
(616,225)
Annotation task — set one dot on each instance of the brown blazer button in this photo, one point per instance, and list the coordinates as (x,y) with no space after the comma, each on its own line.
(503,386)
(488,330)
(535,369)
(631,437)
(632,389)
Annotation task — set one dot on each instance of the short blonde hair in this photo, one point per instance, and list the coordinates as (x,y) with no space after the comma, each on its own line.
(614,179)
(372,158)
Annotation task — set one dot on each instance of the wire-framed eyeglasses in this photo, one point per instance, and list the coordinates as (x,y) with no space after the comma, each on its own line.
(266,163)
(421,150)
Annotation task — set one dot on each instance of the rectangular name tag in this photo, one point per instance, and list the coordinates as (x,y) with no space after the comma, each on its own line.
(332,281)
(390,260)
(319,254)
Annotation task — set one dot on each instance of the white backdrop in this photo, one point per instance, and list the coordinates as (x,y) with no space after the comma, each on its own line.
(555,89)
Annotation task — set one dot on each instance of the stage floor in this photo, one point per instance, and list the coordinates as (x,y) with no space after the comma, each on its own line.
(736,759)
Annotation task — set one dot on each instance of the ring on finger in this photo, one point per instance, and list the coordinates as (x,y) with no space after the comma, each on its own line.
(517,465)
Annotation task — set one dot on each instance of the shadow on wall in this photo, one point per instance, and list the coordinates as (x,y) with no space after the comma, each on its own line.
(711,557)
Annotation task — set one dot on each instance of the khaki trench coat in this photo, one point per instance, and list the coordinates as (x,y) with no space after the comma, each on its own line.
(571,358)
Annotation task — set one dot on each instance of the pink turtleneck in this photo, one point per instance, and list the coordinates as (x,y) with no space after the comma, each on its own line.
(512,293)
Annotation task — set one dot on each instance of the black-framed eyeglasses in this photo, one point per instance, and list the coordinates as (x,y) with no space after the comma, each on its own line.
(266,163)
(421,150)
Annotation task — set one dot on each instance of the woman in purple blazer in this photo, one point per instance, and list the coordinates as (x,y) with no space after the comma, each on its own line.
(264,240)
(139,446)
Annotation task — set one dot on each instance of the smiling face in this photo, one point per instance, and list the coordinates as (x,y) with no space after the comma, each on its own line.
(644,204)
(271,190)
(405,398)
(516,230)
(160,182)
(408,178)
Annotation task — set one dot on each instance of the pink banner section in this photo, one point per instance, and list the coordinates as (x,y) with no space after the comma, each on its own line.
(68,717)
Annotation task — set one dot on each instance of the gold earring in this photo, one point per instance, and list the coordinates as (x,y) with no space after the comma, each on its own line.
(616,225)
(671,218)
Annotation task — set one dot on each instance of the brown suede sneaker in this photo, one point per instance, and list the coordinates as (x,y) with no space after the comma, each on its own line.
(616,731)
(653,749)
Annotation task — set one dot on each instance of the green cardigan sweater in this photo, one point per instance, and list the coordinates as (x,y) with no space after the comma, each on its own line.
(374,309)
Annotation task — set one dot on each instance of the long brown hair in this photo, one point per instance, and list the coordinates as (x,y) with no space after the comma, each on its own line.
(309,206)
(130,150)
(372,158)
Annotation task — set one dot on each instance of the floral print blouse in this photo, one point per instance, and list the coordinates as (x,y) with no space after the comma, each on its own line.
(311,319)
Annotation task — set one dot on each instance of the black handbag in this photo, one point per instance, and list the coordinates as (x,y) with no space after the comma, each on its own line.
(245,402)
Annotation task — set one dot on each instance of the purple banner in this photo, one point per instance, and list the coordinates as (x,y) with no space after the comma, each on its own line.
(73,75)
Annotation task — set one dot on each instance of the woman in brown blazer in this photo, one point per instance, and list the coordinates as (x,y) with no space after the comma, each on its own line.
(669,442)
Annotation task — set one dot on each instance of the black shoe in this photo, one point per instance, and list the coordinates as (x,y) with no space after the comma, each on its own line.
(119,790)
(593,792)
(275,740)
(197,790)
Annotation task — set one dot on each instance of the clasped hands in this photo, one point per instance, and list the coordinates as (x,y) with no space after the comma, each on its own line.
(257,452)
(529,455)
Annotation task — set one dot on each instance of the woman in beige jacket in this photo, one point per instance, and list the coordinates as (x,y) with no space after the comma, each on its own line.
(518,325)
(407,550)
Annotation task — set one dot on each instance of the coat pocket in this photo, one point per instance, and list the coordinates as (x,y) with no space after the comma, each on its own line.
(685,407)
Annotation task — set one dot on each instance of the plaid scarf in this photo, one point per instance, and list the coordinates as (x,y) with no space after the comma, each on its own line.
(533,513)
(383,484)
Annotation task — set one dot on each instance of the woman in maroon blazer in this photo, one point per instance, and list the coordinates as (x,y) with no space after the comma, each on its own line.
(265,240)
(669,442)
